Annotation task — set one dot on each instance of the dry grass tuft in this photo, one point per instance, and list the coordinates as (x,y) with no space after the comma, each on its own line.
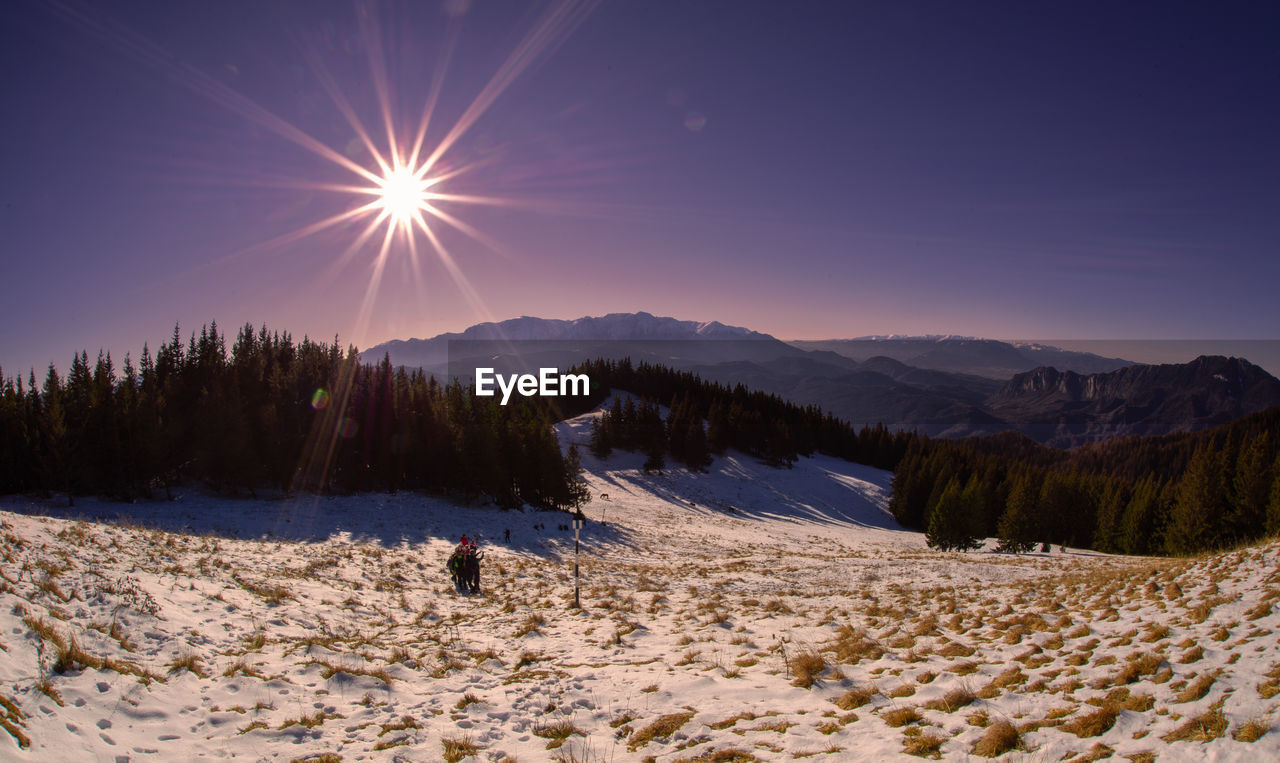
(952,700)
(807,667)
(659,729)
(557,732)
(1251,730)
(1202,728)
(957,649)
(1095,723)
(189,662)
(855,697)
(457,748)
(468,699)
(1001,737)
(1011,677)
(1197,689)
(901,716)
(1139,665)
(851,646)
(922,745)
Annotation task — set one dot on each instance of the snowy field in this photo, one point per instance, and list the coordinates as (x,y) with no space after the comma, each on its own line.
(749,613)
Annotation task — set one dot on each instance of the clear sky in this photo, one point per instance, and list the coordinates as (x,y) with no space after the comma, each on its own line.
(811,170)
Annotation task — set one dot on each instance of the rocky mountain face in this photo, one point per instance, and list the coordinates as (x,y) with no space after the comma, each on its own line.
(1065,409)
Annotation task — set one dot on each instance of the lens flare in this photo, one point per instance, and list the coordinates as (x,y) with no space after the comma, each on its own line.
(320,400)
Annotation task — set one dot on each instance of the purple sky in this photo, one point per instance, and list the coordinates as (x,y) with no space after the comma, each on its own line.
(811,170)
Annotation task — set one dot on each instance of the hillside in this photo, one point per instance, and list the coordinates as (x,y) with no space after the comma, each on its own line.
(778,614)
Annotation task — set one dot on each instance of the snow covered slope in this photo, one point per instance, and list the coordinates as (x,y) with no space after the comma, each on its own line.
(747,613)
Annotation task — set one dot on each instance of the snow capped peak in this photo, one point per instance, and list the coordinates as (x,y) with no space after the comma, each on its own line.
(613,326)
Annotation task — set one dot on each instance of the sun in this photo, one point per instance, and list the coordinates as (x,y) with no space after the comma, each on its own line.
(402,194)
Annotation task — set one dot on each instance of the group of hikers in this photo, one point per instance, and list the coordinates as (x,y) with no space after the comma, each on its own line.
(464,562)
(464,566)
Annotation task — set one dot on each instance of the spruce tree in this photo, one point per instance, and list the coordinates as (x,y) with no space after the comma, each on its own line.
(1252,487)
(697,453)
(600,445)
(1273,506)
(1138,521)
(976,501)
(1017,524)
(1110,510)
(1200,506)
(949,522)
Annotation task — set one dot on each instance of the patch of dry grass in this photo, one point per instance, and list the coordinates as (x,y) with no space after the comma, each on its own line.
(1197,689)
(855,697)
(1202,728)
(662,728)
(1251,730)
(923,745)
(1095,723)
(952,700)
(851,646)
(900,716)
(457,748)
(807,667)
(557,732)
(1001,737)
(189,662)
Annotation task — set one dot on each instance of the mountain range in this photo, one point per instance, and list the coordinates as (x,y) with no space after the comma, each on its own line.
(940,386)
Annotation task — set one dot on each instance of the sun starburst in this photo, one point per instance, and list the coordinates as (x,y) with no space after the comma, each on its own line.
(402,195)
(402,178)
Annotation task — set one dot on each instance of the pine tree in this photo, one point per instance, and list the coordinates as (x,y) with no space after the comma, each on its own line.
(1273,506)
(1017,524)
(697,453)
(1139,520)
(573,493)
(1111,508)
(600,445)
(1252,485)
(718,428)
(1200,506)
(950,521)
(976,500)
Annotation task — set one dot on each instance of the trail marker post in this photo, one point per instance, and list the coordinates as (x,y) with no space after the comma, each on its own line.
(578,520)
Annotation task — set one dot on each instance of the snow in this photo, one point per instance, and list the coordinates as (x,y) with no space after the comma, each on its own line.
(702,594)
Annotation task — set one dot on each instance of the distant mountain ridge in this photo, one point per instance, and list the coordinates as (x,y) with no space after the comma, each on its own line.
(941,386)
(1065,409)
(433,353)
(992,358)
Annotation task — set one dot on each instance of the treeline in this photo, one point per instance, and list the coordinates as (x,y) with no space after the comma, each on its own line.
(1175,494)
(274,413)
(756,423)
(631,427)
(271,413)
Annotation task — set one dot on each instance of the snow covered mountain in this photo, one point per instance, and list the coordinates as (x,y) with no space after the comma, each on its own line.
(943,386)
(433,353)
